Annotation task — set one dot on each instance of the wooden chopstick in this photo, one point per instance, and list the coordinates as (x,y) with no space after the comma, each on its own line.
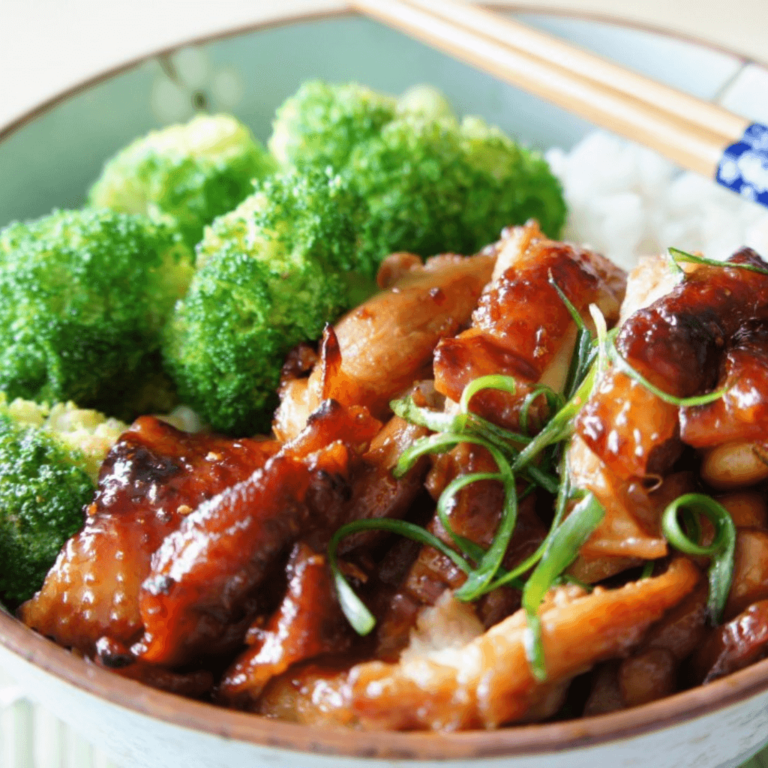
(589,65)
(688,131)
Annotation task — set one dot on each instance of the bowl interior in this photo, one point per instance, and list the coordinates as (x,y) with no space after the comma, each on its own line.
(49,159)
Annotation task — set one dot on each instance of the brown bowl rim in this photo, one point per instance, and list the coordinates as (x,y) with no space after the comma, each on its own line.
(258,730)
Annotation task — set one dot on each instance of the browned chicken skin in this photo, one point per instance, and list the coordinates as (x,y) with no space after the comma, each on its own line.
(522,327)
(675,343)
(204,577)
(382,347)
(152,479)
(202,554)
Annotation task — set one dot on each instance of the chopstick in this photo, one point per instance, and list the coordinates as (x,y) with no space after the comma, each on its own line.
(691,132)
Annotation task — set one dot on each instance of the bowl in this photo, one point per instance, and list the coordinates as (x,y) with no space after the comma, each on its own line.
(48,159)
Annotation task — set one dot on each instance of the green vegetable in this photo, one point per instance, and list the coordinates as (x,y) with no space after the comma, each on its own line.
(321,123)
(720,551)
(561,549)
(83,298)
(271,274)
(426,101)
(356,612)
(429,183)
(677,257)
(514,455)
(511,184)
(184,175)
(47,462)
(434,186)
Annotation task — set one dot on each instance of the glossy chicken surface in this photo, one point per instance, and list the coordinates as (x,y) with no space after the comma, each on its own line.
(214,568)
(153,478)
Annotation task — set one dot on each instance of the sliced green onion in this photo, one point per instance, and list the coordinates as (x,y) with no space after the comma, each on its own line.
(561,505)
(674,263)
(505,439)
(436,421)
(581,362)
(357,613)
(720,551)
(488,566)
(446,497)
(574,313)
(560,426)
(561,551)
(677,256)
(437,443)
(625,367)
(492,381)
(553,399)
(604,337)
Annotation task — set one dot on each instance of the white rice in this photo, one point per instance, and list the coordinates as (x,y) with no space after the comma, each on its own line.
(626,201)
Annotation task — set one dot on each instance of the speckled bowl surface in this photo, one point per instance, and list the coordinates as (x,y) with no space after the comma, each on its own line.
(48,160)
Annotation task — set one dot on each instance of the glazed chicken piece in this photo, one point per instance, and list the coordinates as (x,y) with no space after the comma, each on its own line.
(627,438)
(307,624)
(675,343)
(475,515)
(382,347)
(741,414)
(631,526)
(151,480)
(652,671)
(375,492)
(487,681)
(202,591)
(733,646)
(522,327)
(731,431)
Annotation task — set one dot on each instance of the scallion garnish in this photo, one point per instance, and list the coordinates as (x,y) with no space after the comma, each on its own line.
(357,613)
(519,459)
(720,551)
(554,401)
(626,367)
(562,548)
(678,256)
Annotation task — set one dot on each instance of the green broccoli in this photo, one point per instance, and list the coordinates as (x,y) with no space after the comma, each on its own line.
(83,298)
(49,458)
(413,178)
(184,175)
(424,101)
(321,123)
(431,184)
(511,184)
(436,186)
(270,275)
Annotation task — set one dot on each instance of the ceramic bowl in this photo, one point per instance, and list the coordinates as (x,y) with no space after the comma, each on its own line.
(49,158)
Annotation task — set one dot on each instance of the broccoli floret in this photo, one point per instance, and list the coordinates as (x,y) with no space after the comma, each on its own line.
(321,123)
(49,458)
(413,177)
(431,184)
(425,101)
(287,217)
(436,186)
(184,175)
(83,298)
(270,275)
(512,184)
